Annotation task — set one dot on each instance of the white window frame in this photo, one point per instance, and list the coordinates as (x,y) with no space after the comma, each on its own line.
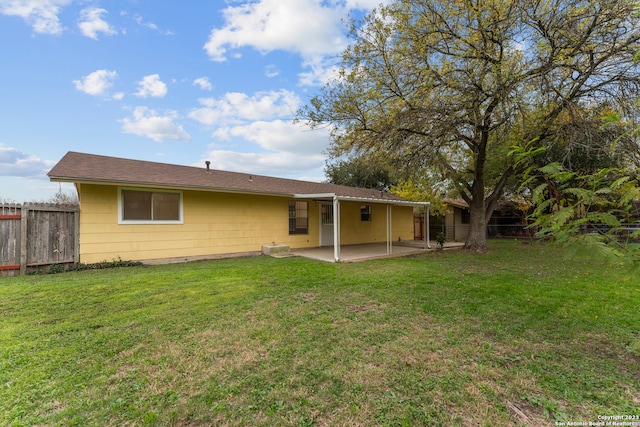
(146,221)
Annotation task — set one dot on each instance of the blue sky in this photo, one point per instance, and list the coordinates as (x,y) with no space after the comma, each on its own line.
(174,82)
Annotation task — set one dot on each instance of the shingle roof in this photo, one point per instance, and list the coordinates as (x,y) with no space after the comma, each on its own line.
(81,167)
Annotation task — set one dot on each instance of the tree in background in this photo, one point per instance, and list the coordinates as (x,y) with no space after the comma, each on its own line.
(63,198)
(590,140)
(360,172)
(60,198)
(587,195)
(598,212)
(451,85)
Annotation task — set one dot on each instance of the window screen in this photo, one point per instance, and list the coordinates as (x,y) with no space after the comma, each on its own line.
(298,217)
(365,213)
(140,205)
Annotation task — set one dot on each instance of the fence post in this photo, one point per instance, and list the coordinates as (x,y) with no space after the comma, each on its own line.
(23,239)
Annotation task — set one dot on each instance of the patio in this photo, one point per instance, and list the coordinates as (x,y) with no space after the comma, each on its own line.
(363,252)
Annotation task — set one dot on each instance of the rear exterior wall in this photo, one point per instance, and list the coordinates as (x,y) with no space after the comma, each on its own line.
(216,223)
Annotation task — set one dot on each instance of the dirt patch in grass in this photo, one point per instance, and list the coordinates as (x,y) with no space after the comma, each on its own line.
(525,414)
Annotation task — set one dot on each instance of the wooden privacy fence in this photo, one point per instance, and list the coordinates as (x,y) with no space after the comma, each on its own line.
(36,235)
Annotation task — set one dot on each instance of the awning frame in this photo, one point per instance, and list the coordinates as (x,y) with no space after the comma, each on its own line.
(336,199)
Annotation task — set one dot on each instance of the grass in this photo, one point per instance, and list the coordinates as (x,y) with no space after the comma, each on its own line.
(518,336)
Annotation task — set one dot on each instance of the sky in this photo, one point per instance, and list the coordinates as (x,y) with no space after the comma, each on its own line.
(164,81)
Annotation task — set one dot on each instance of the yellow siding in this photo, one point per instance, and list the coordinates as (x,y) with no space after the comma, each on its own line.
(217,223)
(355,231)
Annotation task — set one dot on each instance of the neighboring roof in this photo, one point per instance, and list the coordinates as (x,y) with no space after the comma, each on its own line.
(458,203)
(90,168)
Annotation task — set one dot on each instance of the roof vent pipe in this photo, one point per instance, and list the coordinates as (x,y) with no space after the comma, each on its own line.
(208,163)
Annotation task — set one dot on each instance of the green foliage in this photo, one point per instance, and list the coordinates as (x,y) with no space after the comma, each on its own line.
(115,263)
(362,172)
(422,189)
(452,85)
(589,137)
(62,268)
(56,268)
(595,213)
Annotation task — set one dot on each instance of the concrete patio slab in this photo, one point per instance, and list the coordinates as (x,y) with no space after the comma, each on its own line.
(363,252)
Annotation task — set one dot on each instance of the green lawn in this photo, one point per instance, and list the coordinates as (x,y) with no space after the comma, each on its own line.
(518,336)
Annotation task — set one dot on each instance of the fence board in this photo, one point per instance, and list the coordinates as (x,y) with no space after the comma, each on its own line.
(9,243)
(35,235)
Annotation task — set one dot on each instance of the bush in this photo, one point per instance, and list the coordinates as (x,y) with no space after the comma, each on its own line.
(106,264)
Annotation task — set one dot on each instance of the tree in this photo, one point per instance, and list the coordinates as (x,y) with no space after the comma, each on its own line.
(451,85)
(360,172)
(589,141)
(63,198)
(598,211)
(423,188)
(587,195)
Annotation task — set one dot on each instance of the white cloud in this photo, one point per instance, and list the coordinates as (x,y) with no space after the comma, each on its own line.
(97,82)
(306,27)
(148,123)
(91,23)
(203,83)
(14,162)
(238,108)
(313,29)
(42,15)
(321,70)
(151,86)
(271,71)
(285,150)
(278,135)
(141,22)
(364,4)
(151,25)
(271,164)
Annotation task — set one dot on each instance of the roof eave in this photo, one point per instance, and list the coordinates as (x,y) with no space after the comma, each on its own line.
(332,196)
(382,201)
(317,196)
(166,186)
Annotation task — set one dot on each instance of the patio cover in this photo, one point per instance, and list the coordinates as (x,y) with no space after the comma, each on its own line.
(336,199)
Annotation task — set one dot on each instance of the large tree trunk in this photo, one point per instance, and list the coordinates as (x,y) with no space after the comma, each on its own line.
(477,237)
(481,208)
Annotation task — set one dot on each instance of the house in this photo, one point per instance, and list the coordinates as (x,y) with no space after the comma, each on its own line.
(456,220)
(508,220)
(140,210)
(454,223)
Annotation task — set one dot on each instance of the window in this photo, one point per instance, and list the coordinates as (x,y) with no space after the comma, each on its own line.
(365,213)
(465,216)
(144,206)
(327,214)
(298,217)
